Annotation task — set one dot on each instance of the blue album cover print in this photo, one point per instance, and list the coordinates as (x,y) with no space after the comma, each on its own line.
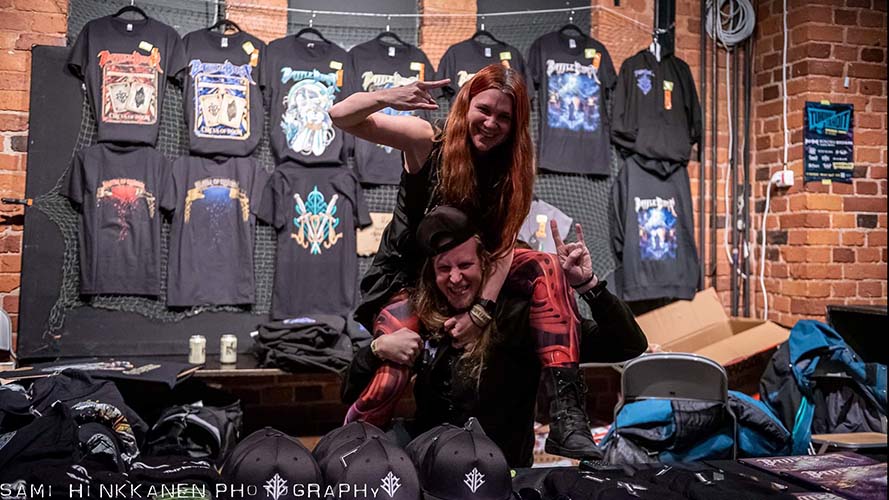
(573,102)
(657,219)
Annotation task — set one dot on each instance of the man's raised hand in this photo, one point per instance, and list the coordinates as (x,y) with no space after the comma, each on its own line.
(573,257)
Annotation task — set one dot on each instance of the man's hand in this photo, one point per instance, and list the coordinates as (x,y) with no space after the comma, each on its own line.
(413,96)
(574,258)
(401,346)
(464,332)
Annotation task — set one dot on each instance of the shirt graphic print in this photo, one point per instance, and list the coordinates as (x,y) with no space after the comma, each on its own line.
(130,86)
(574,93)
(307,126)
(221,99)
(656,219)
(125,196)
(315,224)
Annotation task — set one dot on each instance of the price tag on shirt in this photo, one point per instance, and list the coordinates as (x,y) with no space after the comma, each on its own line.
(254,58)
(589,53)
(505,56)
(336,65)
(146,46)
(248,47)
(487,51)
(668,95)
(420,68)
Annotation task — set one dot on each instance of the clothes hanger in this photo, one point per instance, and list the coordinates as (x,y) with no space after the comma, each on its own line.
(131,8)
(312,31)
(389,34)
(482,32)
(225,24)
(571,26)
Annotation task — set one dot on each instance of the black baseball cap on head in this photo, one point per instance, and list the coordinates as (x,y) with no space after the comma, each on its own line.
(375,463)
(461,464)
(270,458)
(357,430)
(442,229)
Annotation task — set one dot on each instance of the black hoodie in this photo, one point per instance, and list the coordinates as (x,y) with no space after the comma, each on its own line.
(656,109)
(652,231)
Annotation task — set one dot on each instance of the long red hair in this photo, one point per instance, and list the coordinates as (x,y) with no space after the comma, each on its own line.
(512,162)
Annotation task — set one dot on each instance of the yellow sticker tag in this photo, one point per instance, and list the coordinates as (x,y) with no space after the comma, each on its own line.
(505,56)
(825,102)
(336,65)
(589,53)
(416,66)
(668,85)
(146,46)
(825,181)
(254,58)
(248,47)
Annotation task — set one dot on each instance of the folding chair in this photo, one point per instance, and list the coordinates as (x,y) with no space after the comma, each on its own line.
(676,376)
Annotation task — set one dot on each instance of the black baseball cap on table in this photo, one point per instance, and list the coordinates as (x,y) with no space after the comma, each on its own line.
(374,463)
(270,458)
(353,432)
(457,463)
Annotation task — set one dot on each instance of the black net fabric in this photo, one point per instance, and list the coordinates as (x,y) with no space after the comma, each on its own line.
(584,198)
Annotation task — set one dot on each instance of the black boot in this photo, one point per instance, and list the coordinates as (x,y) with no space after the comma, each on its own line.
(569,427)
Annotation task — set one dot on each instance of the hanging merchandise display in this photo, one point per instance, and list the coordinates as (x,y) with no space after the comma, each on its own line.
(315,212)
(656,109)
(211,241)
(223,104)
(462,60)
(301,78)
(124,64)
(652,231)
(572,74)
(535,230)
(375,65)
(117,189)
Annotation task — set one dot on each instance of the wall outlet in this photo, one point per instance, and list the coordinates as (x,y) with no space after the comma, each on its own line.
(783,178)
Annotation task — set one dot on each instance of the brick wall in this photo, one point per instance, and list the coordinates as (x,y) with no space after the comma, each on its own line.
(827,242)
(23,23)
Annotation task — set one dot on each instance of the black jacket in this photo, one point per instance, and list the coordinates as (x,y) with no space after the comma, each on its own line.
(503,398)
(656,109)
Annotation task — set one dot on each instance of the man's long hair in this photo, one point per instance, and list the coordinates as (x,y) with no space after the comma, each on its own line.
(433,309)
(509,166)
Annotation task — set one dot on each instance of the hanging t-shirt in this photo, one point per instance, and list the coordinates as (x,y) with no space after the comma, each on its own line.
(223,103)
(211,241)
(463,60)
(315,212)
(302,78)
(124,64)
(572,76)
(117,189)
(535,231)
(656,109)
(378,65)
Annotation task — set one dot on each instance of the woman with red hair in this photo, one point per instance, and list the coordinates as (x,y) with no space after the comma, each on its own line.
(481,163)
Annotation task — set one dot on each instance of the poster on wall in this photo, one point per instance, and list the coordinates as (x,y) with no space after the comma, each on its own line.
(829,148)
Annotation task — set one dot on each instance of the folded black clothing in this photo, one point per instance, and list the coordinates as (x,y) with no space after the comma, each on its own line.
(15,408)
(49,440)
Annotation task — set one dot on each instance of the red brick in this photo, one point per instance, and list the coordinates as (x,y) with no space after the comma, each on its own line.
(822,237)
(867,70)
(52,6)
(13,100)
(853,238)
(858,3)
(16,61)
(11,303)
(13,122)
(845,17)
(794,254)
(28,40)
(13,80)
(877,172)
(866,37)
(12,161)
(872,21)
(866,187)
(816,33)
(870,289)
(50,23)
(17,21)
(841,188)
(865,271)
(876,238)
(877,104)
(873,55)
(808,14)
(9,282)
(870,138)
(8,39)
(843,289)
(865,204)
(10,243)
(868,255)
(845,53)
(11,263)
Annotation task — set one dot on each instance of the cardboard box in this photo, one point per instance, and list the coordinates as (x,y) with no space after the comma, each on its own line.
(701,326)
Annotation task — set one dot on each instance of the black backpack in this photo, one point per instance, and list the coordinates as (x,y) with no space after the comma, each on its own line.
(196,431)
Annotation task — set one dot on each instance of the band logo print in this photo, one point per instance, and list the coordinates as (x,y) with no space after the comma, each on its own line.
(221,99)
(573,96)
(123,195)
(315,224)
(656,219)
(305,122)
(371,82)
(129,87)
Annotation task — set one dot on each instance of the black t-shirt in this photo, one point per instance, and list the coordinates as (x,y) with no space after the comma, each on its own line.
(118,189)
(378,65)
(572,76)
(463,60)
(301,79)
(223,103)
(124,64)
(211,242)
(315,212)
